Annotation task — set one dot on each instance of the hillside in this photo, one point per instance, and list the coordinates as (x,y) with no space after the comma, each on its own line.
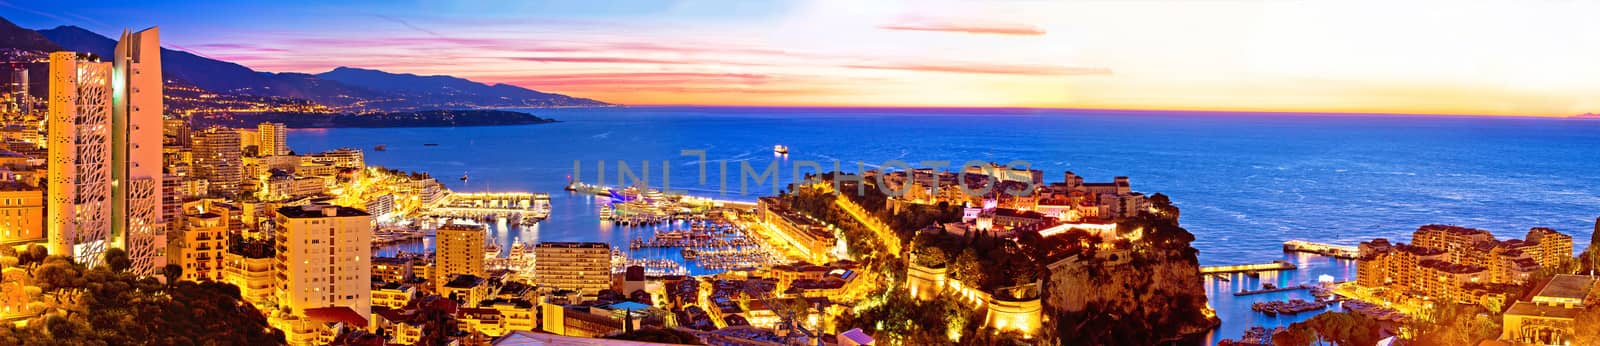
(450,91)
(13,36)
(350,89)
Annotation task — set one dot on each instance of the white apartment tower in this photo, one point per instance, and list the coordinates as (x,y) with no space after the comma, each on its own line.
(105,154)
(136,126)
(324,258)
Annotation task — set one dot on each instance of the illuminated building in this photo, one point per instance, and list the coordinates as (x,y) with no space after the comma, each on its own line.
(79,192)
(392,269)
(459,252)
(323,260)
(392,295)
(1549,318)
(809,236)
(218,160)
(199,247)
(21,214)
(251,269)
(136,125)
(1015,308)
(272,139)
(340,158)
(582,267)
(1448,262)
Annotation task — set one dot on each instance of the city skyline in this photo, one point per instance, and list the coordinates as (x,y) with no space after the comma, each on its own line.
(1487,58)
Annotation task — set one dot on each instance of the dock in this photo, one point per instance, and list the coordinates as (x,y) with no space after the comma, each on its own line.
(1330,250)
(1244,268)
(511,205)
(1270,290)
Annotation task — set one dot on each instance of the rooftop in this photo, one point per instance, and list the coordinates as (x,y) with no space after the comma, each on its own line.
(1531,309)
(563,244)
(318,211)
(1567,287)
(336,314)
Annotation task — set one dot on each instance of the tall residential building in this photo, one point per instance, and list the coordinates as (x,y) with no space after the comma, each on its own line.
(136,125)
(79,192)
(582,267)
(460,252)
(218,160)
(105,153)
(176,132)
(272,141)
(323,259)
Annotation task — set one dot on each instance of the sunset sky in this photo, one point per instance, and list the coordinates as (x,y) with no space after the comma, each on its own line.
(1450,57)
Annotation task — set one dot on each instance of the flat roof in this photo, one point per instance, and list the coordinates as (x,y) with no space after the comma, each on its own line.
(1567,287)
(315,211)
(1531,309)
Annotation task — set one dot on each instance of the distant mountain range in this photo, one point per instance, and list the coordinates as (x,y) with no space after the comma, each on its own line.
(351,89)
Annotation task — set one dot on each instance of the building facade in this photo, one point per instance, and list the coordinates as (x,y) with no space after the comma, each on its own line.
(459,252)
(79,192)
(583,267)
(325,258)
(272,139)
(218,160)
(21,214)
(136,125)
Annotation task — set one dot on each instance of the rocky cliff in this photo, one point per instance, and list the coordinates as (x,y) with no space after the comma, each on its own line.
(1144,293)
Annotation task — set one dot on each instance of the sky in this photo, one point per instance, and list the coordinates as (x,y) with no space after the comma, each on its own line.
(1487,57)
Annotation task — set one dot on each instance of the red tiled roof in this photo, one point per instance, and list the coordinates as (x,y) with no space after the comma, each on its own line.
(337,314)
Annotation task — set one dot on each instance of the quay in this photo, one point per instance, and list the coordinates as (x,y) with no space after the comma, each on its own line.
(1270,290)
(1244,268)
(522,206)
(1330,250)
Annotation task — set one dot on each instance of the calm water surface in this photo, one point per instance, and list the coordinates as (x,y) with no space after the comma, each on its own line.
(1245,183)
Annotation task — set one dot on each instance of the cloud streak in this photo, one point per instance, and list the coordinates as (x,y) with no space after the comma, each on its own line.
(1015,29)
(995,69)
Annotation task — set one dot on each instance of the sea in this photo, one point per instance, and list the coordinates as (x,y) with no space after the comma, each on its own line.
(1245,182)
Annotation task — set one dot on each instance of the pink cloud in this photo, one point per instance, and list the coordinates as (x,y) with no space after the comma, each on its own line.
(602,60)
(988,69)
(969,27)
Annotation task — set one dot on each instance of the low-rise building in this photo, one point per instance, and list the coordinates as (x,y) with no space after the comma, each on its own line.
(1549,318)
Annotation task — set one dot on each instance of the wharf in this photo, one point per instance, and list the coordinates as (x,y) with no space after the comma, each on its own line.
(1330,250)
(1244,268)
(1270,290)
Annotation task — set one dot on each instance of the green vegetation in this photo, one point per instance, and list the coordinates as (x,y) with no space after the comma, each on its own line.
(1341,328)
(660,335)
(108,306)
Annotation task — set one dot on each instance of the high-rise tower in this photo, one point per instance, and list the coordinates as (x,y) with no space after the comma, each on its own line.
(272,139)
(79,196)
(105,154)
(136,122)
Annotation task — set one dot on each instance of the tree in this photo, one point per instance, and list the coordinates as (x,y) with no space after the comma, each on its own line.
(1294,337)
(173,273)
(967,267)
(38,252)
(117,260)
(1586,328)
(120,308)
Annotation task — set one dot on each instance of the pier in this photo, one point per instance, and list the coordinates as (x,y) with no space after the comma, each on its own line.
(1330,250)
(1243,268)
(510,205)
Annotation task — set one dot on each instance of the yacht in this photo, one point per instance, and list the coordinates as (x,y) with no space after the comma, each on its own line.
(780,149)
